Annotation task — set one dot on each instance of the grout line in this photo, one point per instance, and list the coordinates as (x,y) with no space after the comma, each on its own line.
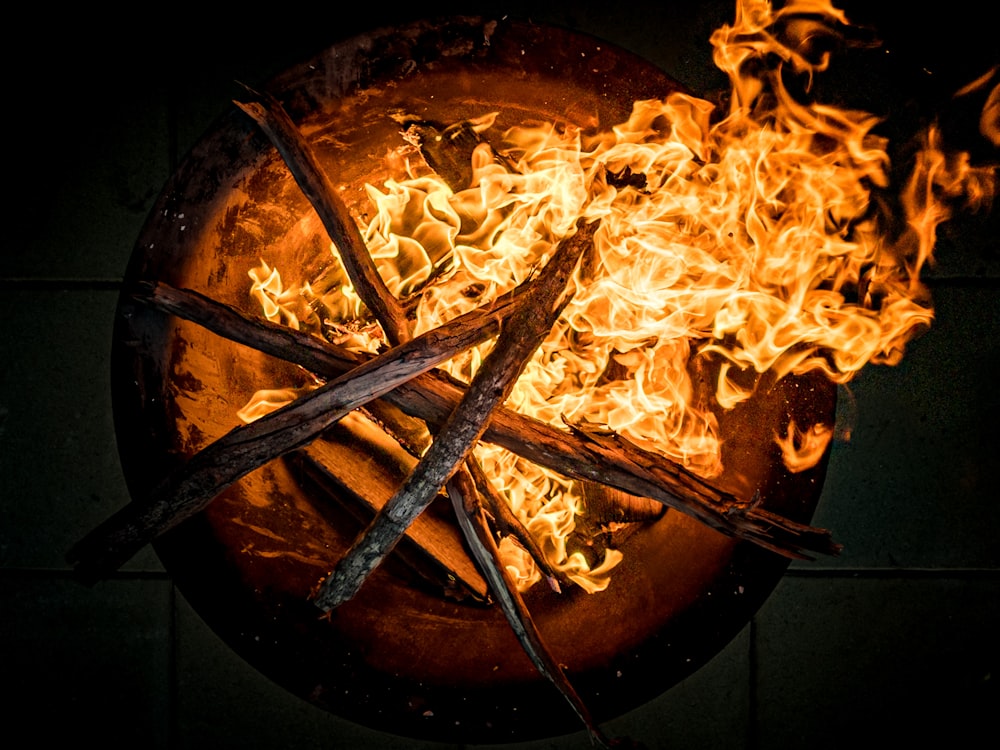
(752,737)
(70,575)
(872,573)
(876,573)
(173,680)
(51,285)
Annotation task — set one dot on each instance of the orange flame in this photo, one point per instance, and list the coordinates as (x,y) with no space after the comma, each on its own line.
(750,235)
(802,449)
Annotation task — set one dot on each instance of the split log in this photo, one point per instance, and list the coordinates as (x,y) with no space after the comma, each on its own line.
(448,149)
(411,434)
(341,463)
(577,454)
(189,489)
(608,505)
(519,337)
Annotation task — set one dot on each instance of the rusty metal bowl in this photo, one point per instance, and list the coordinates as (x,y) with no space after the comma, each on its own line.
(398,657)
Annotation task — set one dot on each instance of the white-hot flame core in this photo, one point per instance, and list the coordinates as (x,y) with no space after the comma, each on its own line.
(749,235)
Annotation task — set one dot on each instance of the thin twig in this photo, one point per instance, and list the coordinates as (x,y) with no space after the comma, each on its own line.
(508,523)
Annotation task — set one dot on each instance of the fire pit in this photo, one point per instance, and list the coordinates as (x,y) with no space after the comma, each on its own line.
(420,650)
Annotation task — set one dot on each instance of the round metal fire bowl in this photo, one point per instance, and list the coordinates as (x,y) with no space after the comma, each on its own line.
(398,657)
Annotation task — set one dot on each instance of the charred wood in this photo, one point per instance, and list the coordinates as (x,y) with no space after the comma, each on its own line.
(447,149)
(582,454)
(471,519)
(245,448)
(609,505)
(506,522)
(519,337)
(317,186)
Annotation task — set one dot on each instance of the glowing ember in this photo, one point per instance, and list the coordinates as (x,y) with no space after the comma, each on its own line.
(749,235)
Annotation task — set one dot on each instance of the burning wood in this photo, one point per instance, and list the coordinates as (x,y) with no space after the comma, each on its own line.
(727,515)
(518,339)
(317,186)
(190,488)
(507,523)
(471,519)
(433,396)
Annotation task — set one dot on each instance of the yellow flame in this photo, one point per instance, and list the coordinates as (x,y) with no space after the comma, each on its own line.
(750,235)
(267,400)
(275,300)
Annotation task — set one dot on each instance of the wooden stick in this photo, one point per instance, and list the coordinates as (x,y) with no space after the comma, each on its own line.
(272,118)
(577,454)
(508,523)
(518,339)
(311,352)
(189,489)
(619,463)
(462,493)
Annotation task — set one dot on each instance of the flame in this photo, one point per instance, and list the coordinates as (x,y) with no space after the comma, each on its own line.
(750,235)
(267,400)
(276,302)
(802,449)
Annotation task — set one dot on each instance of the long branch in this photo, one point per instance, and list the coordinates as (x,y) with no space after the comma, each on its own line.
(462,493)
(317,186)
(195,484)
(507,522)
(592,456)
(519,337)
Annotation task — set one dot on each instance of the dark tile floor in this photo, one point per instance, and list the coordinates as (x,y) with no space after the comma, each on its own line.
(895,641)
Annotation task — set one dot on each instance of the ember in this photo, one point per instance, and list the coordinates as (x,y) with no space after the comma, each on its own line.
(546,324)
